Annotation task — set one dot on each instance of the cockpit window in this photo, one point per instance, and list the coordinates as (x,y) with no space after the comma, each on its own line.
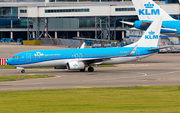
(16,56)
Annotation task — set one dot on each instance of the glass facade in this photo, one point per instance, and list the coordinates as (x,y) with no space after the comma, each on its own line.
(94,0)
(125,9)
(172,1)
(9,18)
(86,22)
(66,10)
(23,11)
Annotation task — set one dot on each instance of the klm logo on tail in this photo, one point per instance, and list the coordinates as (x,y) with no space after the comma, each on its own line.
(151,35)
(149,10)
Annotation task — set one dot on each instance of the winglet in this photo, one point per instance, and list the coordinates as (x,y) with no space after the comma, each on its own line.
(82,46)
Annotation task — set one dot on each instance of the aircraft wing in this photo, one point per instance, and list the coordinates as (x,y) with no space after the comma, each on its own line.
(98,60)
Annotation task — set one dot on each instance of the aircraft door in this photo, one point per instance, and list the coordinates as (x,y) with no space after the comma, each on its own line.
(78,56)
(28,57)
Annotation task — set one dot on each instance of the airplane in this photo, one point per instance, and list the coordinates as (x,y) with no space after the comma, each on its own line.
(147,11)
(79,59)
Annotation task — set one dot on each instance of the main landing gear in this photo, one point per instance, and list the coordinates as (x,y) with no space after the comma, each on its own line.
(82,70)
(23,71)
(90,69)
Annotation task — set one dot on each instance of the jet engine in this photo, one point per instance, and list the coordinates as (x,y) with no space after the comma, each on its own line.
(75,65)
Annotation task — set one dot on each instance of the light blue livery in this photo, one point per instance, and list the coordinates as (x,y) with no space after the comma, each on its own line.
(79,59)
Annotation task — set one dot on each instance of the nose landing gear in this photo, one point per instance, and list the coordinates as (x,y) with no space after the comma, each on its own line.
(23,71)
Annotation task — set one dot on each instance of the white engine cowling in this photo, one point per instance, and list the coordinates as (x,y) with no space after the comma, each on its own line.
(73,65)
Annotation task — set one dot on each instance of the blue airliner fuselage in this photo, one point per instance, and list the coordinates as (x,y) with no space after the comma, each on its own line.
(79,59)
(35,58)
(173,26)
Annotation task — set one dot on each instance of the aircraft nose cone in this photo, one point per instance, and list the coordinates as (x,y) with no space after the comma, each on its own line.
(9,61)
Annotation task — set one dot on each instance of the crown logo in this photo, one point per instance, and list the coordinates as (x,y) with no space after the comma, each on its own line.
(151,32)
(75,65)
(149,5)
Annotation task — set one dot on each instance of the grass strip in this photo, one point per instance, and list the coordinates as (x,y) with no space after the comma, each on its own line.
(6,67)
(145,99)
(12,67)
(21,77)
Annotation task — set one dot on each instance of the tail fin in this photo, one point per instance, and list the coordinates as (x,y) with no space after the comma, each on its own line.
(148,10)
(151,37)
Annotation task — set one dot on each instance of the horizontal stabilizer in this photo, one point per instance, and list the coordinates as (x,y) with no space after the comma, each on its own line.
(159,48)
(129,23)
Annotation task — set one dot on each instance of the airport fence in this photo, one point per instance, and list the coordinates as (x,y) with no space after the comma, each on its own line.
(61,42)
(3,61)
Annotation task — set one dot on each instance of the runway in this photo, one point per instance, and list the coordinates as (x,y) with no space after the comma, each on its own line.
(159,69)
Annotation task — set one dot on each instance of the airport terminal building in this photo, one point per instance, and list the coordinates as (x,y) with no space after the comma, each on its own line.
(96,19)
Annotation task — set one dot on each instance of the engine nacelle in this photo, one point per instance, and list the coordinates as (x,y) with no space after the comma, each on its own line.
(142,24)
(75,65)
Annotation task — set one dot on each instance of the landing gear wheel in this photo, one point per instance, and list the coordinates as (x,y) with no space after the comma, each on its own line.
(82,70)
(23,71)
(90,69)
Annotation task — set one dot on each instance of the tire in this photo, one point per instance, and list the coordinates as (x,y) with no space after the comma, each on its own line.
(83,70)
(22,71)
(90,69)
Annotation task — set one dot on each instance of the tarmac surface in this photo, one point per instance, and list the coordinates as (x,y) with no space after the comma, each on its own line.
(159,69)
